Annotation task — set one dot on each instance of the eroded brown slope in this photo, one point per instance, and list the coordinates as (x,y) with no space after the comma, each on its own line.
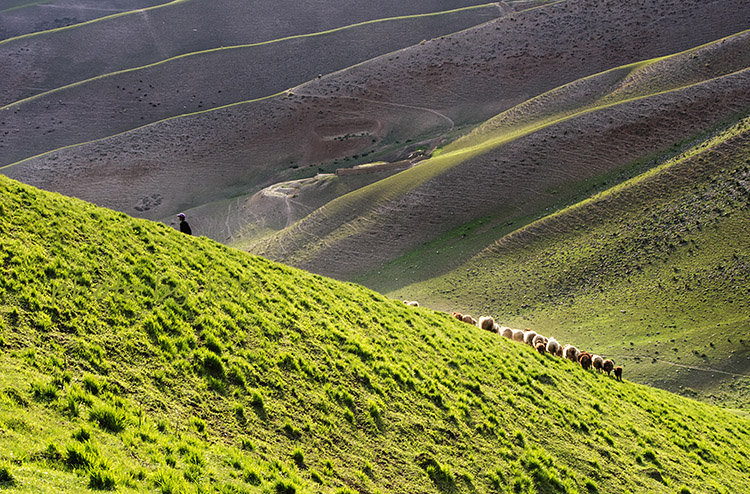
(18,17)
(415,94)
(507,183)
(105,106)
(45,61)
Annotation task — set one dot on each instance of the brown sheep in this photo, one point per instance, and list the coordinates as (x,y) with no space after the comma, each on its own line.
(571,353)
(541,348)
(607,366)
(539,339)
(597,361)
(585,360)
(618,373)
(528,337)
(506,332)
(487,323)
(469,320)
(518,335)
(458,316)
(559,351)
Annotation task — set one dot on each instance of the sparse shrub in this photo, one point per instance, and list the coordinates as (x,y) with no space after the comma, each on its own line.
(198,424)
(81,455)
(213,343)
(6,478)
(291,431)
(316,477)
(70,406)
(684,490)
(101,479)
(247,444)
(591,486)
(44,392)
(299,458)
(94,385)
(16,397)
(82,435)
(376,413)
(212,365)
(109,418)
(251,477)
(284,487)
(168,482)
(193,473)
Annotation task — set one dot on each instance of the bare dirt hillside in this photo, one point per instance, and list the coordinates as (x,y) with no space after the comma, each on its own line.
(382,109)
(41,62)
(507,182)
(19,17)
(114,103)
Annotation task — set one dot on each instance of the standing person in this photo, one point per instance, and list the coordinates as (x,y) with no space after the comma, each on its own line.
(184,227)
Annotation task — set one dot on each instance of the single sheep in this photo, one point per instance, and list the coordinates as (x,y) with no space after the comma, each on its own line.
(618,373)
(571,353)
(596,361)
(553,346)
(539,339)
(518,335)
(470,320)
(585,360)
(458,316)
(559,351)
(541,348)
(528,337)
(607,366)
(506,332)
(496,328)
(487,323)
(411,303)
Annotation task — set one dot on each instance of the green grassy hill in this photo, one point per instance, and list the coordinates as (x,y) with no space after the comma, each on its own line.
(654,271)
(137,358)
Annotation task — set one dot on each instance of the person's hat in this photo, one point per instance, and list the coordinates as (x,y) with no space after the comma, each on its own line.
(181,216)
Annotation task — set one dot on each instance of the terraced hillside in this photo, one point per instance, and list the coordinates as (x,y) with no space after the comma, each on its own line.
(382,109)
(137,358)
(654,272)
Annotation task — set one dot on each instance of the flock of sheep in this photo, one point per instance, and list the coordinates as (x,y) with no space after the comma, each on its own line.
(542,344)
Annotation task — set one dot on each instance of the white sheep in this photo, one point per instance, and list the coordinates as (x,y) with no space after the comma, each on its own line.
(571,353)
(553,346)
(506,332)
(487,323)
(411,303)
(518,335)
(528,337)
(496,328)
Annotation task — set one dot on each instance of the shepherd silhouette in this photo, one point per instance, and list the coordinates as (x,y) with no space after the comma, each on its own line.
(184,227)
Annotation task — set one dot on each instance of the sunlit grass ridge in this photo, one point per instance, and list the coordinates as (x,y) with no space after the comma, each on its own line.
(138,358)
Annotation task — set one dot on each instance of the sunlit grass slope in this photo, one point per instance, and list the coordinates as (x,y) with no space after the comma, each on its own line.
(137,358)
(654,272)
